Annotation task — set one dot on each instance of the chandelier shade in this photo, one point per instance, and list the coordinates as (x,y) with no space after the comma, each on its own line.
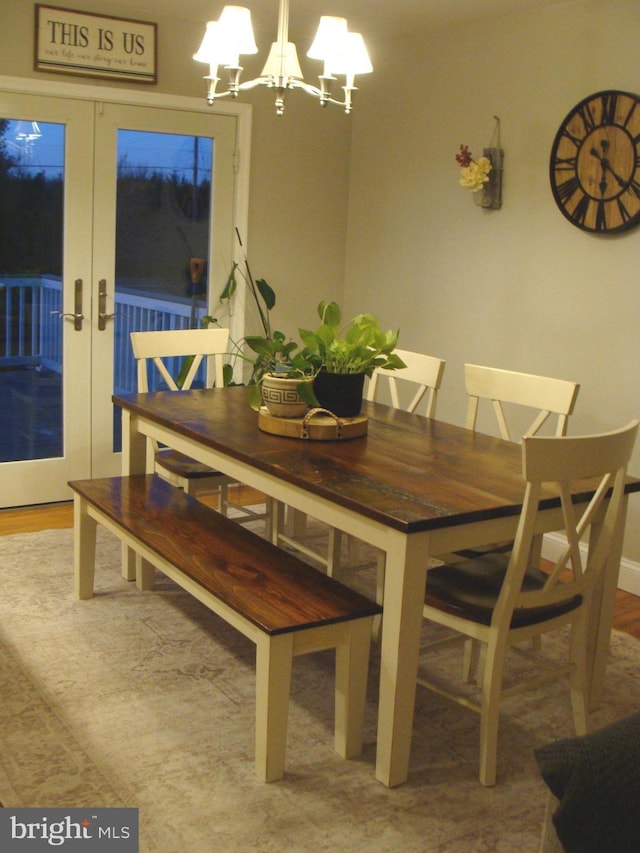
(231,36)
(329,40)
(214,50)
(355,57)
(235,22)
(282,62)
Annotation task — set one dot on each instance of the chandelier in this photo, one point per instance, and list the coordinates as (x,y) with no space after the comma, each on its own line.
(342,52)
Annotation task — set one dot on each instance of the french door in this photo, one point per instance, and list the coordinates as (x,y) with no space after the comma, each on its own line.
(115,218)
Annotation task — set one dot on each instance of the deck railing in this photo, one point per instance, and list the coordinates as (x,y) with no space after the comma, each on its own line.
(30,332)
(32,326)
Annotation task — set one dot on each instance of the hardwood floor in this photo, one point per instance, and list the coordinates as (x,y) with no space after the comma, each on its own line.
(34,518)
(31,519)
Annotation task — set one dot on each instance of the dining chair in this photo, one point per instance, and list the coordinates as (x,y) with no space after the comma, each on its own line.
(516,393)
(422,375)
(548,396)
(173,357)
(501,600)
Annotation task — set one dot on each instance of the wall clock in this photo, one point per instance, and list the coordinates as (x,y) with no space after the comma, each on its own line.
(595,163)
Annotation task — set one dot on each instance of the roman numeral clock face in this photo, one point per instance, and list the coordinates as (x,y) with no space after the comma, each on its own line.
(595,163)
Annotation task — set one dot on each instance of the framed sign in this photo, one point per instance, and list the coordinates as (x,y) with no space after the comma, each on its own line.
(71,42)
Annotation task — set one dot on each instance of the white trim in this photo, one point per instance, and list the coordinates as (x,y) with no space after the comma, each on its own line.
(142,97)
(629,578)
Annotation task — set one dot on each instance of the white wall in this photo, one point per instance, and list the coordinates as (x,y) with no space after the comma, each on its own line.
(519,287)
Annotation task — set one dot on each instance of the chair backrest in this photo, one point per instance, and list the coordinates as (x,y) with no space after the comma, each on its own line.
(424,371)
(547,395)
(551,466)
(156,348)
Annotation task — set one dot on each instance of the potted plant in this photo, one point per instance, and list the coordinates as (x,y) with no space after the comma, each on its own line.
(332,355)
(341,357)
(276,369)
(278,375)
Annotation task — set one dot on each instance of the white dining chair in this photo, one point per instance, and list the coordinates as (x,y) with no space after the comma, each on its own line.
(421,377)
(531,399)
(549,397)
(519,393)
(175,356)
(500,600)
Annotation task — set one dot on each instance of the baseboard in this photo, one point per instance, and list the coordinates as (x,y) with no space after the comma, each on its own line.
(629,578)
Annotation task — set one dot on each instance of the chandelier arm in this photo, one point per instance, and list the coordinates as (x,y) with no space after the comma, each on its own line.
(251,84)
(325,97)
(309,88)
(217,95)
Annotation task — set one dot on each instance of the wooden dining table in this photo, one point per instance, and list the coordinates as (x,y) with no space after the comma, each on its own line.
(412,486)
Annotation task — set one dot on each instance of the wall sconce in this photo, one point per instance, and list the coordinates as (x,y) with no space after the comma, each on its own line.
(483,176)
(490,196)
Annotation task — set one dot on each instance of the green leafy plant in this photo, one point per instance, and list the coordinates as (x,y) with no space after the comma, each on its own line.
(360,346)
(269,352)
(273,355)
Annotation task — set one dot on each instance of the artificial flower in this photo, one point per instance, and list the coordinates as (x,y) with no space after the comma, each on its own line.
(473,173)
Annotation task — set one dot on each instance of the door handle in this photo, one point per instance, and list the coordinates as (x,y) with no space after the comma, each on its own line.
(102,305)
(77,315)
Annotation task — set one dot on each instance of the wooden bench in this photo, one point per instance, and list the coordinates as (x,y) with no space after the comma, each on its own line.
(284,605)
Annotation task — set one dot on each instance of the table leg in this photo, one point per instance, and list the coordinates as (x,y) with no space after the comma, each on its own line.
(134,461)
(404,585)
(134,446)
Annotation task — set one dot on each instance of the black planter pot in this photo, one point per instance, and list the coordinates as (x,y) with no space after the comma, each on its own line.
(340,393)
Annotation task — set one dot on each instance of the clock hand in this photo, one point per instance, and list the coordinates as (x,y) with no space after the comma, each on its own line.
(606,165)
(621,182)
(603,164)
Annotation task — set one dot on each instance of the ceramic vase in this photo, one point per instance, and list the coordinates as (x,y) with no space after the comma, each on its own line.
(281,398)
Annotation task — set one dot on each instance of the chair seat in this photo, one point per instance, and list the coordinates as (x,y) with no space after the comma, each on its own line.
(183,466)
(470,589)
(484,551)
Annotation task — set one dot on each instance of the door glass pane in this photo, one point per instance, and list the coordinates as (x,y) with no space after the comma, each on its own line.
(31,328)
(162,241)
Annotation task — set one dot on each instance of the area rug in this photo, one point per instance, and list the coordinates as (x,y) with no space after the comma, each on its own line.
(146,700)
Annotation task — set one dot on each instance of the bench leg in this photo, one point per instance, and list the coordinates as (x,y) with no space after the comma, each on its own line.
(277,521)
(335,569)
(145,573)
(128,563)
(84,549)
(274,657)
(352,670)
